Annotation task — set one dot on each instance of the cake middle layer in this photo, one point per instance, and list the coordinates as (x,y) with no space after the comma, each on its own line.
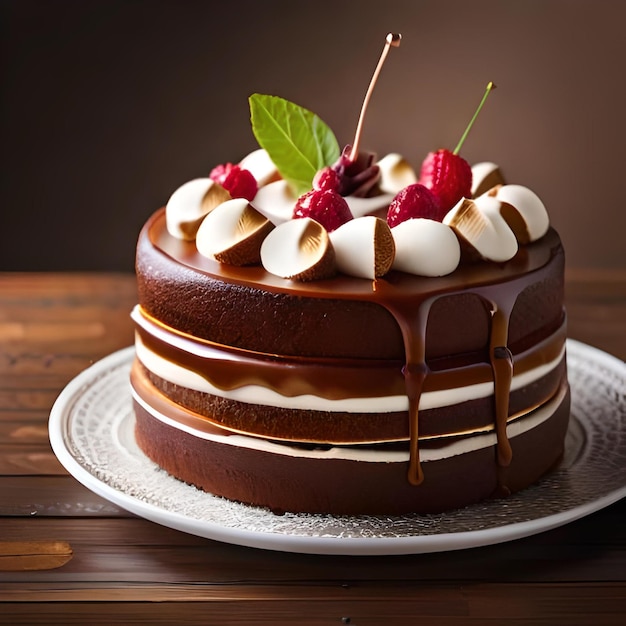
(335,400)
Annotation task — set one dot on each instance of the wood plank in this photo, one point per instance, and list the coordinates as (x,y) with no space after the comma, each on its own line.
(62,496)
(28,399)
(58,367)
(58,283)
(25,431)
(29,459)
(368,605)
(239,591)
(10,416)
(596,306)
(537,601)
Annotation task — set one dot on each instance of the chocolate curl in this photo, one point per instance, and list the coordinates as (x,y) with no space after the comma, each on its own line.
(359,177)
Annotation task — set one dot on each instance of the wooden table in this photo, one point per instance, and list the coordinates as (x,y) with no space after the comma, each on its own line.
(68,556)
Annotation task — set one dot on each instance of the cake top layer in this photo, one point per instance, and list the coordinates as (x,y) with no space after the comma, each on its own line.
(395,284)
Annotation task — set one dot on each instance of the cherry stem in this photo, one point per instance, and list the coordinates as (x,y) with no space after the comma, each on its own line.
(490,86)
(393,39)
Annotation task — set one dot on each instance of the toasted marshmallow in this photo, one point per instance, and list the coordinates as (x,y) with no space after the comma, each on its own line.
(259,164)
(395,173)
(523,210)
(299,249)
(275,201)
(232,233)
(189,204)
(485,175)
(364,247)
(480,223)
(425,247)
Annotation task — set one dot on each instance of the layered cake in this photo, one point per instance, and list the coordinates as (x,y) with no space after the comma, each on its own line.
(353,336)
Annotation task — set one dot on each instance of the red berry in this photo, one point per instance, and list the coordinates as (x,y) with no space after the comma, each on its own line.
(326,178)
(326,207)
(238,182)
(448,176)
(414,201)
(220,172)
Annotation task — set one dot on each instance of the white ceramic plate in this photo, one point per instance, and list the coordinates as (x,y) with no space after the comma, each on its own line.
(91,431)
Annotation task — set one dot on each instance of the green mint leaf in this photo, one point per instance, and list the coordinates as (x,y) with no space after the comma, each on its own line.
(298,141)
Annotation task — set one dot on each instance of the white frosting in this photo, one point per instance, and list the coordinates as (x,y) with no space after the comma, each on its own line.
(256,394)
(425,247)
(484,228)
(395,173)
(529,206)
(355,249)
(189,204)
(259,164)
(455,448)
(480,171)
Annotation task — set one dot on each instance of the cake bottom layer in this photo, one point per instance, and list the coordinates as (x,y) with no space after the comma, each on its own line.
(355,480)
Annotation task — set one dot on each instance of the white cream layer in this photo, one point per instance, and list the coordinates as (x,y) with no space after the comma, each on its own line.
(256,394)
(461,446)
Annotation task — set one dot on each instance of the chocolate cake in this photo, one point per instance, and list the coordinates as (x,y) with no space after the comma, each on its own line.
(304,396)
(369,341)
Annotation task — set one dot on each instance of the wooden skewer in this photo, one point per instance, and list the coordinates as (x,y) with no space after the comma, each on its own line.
(392,39)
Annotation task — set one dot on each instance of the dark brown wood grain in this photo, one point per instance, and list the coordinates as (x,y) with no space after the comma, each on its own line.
(71,557)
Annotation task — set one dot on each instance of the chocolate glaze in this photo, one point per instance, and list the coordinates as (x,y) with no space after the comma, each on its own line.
(230,368)
(326,427)
(532,282)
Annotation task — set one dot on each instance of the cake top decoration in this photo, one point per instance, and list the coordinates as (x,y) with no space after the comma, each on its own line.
(364,217)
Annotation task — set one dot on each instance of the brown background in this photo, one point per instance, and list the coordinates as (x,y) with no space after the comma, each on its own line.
(108,106)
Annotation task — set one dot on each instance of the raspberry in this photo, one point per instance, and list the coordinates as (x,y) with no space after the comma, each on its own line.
(238,182)
(326,178)
(414,201)
(326,207)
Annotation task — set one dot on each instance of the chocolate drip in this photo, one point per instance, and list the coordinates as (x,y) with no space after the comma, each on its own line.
(413,321)
(501,360)
(502,365)
(414,376)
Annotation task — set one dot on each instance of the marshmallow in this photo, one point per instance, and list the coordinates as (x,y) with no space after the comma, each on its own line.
(364,247)
(480,223)
(232,233)
(485,176)
(275,201)
(523,210)
(425,247)
(189,204)
(395,173)
(259,164)
(299,249)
